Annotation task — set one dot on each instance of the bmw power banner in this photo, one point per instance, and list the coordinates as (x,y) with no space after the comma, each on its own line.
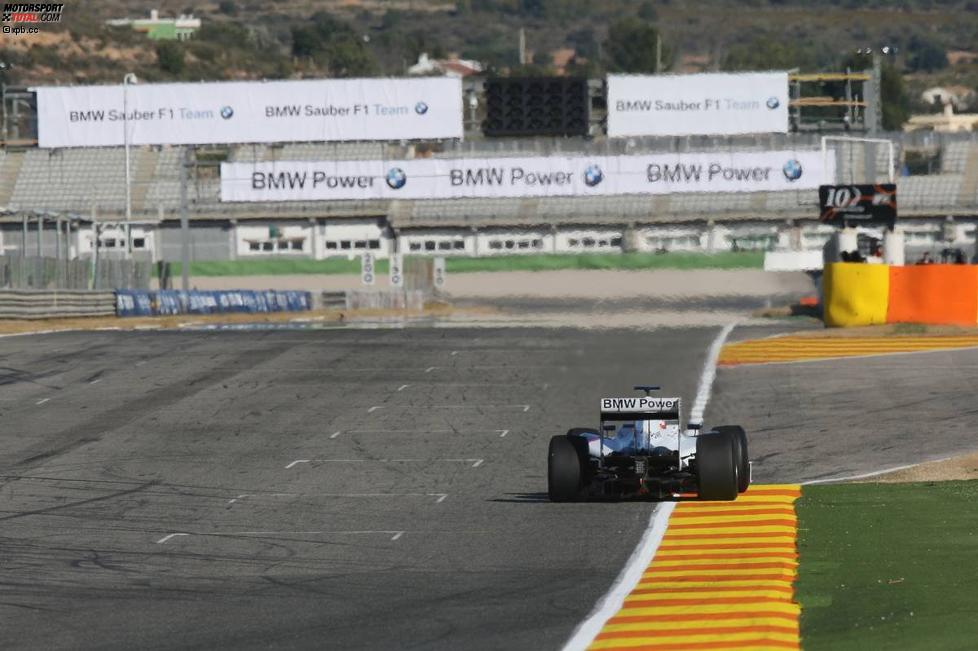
(524,177)
(703,104)
(241,112)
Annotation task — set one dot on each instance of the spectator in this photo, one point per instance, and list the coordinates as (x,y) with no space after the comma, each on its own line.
(925,258)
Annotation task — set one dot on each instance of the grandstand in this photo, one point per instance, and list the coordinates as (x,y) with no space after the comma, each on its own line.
(89,184)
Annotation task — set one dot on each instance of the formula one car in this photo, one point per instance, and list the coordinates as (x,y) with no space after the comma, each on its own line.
(640,450)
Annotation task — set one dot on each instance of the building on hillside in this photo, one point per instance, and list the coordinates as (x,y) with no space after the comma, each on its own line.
(946,122)
(958,96)
(563,58)
(451,67)
(180,28)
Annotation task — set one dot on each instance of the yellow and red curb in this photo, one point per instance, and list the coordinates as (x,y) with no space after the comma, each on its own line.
(797,349)
(722,578)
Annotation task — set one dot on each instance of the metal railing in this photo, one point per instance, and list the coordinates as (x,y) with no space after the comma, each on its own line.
(41,273)
(39,304)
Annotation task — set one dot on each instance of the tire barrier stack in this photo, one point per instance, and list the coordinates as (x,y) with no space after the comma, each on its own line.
(857,294)
(171,302)
(53,304)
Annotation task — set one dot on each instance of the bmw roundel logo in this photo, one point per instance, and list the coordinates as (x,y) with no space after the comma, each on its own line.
(773,103)
(792,170)
(593,176)
(420,108)
(396,178)
(227,112)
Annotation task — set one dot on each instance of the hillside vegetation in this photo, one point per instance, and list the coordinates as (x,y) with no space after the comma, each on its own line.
(248,39)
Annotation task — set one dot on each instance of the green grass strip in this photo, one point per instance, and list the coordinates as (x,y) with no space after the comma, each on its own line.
(889,566)
(529,262)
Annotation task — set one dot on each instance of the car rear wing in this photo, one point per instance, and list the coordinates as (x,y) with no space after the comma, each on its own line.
(641,408)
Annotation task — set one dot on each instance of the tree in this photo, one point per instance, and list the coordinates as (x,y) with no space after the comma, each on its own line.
(334,44)
(924,55)
(169,57)
(646,11)
(766,53)
(632,45)
(896,101)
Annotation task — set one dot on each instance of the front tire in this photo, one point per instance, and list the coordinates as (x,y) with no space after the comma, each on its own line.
(564,480)
(715,466)
(740,454)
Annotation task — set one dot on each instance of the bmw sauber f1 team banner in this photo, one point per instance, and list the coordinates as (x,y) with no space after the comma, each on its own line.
(554,176)
(241,112)
(702,104)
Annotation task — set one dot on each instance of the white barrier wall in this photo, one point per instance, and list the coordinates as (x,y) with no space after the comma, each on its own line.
(250,111)
(275,238)
(352,237)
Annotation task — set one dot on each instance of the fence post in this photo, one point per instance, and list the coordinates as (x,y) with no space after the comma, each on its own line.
(184,224)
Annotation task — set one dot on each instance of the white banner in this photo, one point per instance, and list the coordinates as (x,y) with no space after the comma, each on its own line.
(555,176)
(250,111)
(368,268)
(395,270)
(705,104)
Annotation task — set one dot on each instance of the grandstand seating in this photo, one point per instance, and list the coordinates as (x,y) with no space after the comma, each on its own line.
(78,179)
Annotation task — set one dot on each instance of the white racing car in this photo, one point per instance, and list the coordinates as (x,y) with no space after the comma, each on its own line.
(640,449)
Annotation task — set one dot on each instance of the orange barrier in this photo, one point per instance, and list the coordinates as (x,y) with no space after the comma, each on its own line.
(933,293)
(857,294)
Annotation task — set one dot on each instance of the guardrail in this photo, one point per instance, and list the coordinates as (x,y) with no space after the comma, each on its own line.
(40,304)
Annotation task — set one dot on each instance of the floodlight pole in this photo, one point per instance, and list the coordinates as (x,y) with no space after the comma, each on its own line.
(184,223)
(130,78)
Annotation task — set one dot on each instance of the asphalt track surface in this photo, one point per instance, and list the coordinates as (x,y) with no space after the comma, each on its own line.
(827,419)
(419,525)
(423,523)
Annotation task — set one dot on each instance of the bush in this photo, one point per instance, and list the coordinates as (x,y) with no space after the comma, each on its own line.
(170,57)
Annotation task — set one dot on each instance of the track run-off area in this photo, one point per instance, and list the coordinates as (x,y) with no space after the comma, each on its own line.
(384,488)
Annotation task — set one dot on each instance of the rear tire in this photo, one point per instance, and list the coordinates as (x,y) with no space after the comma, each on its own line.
(740,454)
(715,466)
(564,480)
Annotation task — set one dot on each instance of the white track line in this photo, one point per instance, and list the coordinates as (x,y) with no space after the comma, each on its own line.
(708,375)
(168,536)
(502,433)
(439,497)
(612,601)
(296,462)
(639,561)
(335,434)
(402,387)
(875,473)
(41,401)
